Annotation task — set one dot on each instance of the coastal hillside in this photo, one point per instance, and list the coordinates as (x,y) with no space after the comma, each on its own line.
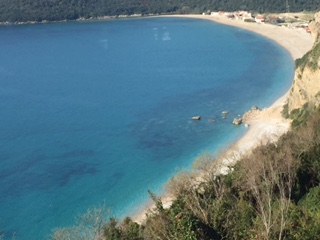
(305,91)
(57,10)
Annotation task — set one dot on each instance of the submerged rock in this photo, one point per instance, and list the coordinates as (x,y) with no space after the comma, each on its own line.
(224,113)
(196,118)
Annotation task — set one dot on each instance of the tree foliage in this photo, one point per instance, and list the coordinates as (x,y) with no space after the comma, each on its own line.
(89,226)
(57,10)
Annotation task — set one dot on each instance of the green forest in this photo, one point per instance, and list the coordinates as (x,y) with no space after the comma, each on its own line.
(57,10)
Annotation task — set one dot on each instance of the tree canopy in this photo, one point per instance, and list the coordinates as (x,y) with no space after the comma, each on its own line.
(57,10)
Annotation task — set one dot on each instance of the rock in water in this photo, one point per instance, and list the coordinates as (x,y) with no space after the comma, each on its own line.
(237,121)
(196,118)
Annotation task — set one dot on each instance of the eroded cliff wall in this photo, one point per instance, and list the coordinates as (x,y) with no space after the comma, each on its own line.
(306,86)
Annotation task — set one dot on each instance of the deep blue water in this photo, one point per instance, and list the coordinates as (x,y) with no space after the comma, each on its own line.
(99,112)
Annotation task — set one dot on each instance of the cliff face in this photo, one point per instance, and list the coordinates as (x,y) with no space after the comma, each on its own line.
(315,25)
(306,85)
(305,89)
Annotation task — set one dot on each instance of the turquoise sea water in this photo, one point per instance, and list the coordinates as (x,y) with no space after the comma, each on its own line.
(99,112)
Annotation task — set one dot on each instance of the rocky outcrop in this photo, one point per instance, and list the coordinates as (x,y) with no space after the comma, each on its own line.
(237,121)
(306,86)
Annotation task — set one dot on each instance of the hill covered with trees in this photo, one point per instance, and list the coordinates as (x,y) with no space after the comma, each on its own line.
(57,10)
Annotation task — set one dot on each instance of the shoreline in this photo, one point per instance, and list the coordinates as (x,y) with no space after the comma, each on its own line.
(265,125)
(296,41)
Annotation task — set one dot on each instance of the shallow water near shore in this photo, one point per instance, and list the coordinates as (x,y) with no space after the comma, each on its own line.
(99,112)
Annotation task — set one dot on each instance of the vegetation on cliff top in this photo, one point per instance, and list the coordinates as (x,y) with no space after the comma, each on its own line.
(57,10)
(311,58)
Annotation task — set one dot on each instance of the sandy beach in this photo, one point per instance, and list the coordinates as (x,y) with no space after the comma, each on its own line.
(265,125)
(296,41)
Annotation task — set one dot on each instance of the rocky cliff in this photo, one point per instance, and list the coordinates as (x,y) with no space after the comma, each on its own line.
(306,86)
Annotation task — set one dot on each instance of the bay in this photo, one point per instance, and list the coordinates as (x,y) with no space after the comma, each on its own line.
(99,112)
